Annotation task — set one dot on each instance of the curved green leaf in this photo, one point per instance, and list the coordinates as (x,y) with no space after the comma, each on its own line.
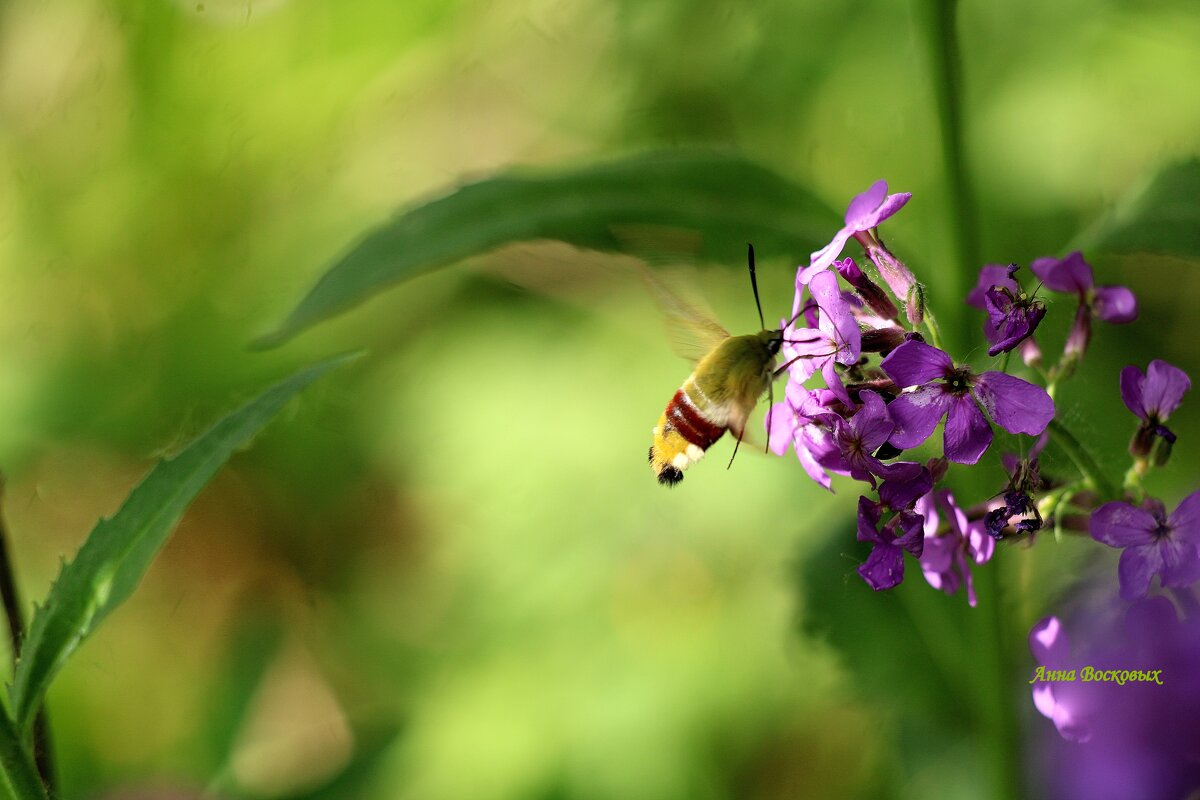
(117,553)
(1162,216)
(726,199)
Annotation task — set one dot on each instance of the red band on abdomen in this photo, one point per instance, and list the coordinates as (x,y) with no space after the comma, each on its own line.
(693,427)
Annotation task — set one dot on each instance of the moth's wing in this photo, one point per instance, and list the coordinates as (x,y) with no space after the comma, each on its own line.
(690,327)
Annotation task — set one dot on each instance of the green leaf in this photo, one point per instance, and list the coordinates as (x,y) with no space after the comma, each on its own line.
(725,199)
(20,776)
(1161,216)
(117,553)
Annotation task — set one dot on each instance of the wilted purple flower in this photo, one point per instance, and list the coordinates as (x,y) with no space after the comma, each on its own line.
(1113,304)
(1013,316)
(865,212)
(836,339)
(884,568)
(944,390)
(1129,722)
(946,559)
(1154,544)
(1024,481)
(1153,396)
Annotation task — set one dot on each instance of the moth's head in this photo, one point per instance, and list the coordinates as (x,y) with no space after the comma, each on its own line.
(773,340)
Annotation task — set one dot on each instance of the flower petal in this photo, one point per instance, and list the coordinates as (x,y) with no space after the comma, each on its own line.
(916,414)
(1017,406)
(1049,643)
(1181,561)
(1164,388)
(914,363)
(836,321)
(991,275)
(781,423)
(1135,569)
(872,425)
(821,259)
(863,207)
(967,433)
(1069,274)
(1114,304)
(1185,519)
(1118,524)
(1132,381)
(884,568)
(869,514)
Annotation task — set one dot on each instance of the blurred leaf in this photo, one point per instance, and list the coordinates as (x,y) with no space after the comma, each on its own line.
(904,647)
(358,780)
(725,199)
(110,564)
(1163,216)
(20,777)
(252,647)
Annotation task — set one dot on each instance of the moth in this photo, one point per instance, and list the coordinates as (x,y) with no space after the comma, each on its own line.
(731,374)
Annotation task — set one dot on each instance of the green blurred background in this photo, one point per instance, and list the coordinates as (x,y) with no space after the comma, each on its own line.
(447,572)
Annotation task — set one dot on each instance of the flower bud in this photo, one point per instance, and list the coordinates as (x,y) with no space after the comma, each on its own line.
(882,340)
(1162,452)
(914,304)
(893,271)
(1142,442)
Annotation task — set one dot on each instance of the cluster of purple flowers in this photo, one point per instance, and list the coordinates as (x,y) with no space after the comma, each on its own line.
(887,389)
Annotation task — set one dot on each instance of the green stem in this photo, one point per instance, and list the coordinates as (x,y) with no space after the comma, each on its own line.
(1083,460)
(935,332)
(17,769)
(16,631)
(946,65)
(998,706)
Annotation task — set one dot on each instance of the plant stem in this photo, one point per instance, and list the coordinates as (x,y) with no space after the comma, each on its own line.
(1083,460)
(16,632)
(947,78)
(998,706)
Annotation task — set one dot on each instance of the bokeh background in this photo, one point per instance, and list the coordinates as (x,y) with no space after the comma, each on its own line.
(446,571)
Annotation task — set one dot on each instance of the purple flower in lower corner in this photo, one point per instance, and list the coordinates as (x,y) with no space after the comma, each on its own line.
(1152,396)
(865,212)
(884,568)
(946,390)
(1052,651)
(1153,543)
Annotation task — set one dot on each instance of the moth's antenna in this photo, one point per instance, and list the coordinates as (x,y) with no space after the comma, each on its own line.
(754,283)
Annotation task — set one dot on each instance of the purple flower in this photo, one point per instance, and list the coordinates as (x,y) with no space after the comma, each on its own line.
(1120,738)
(805,421)
(1113,304)
(865,212)
(884,568)
(944,390)
(991,275)
(836,339)
(946,559)
(1154,544)
(1013,316)
(1153,396)
(1052,651)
